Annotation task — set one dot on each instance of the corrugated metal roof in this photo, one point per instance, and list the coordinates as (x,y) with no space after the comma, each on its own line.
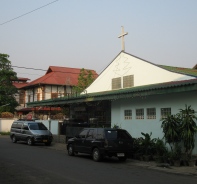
(160,88)
(185,71)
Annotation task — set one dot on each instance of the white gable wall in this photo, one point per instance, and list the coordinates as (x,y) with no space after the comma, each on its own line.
(136,126)
(144,73)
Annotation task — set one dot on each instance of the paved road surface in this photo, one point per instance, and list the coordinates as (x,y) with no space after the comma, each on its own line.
(23,164)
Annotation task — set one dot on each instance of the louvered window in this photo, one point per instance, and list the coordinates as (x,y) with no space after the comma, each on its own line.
(128,81)
(116,83)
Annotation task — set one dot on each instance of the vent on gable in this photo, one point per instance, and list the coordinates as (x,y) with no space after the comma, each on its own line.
(116,83)
(128,81)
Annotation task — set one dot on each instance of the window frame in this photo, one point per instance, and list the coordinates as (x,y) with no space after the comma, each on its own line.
(151,113)
(164,112)
(139,115)
(127,114)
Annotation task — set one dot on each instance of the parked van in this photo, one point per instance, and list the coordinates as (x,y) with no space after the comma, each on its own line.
(30,132)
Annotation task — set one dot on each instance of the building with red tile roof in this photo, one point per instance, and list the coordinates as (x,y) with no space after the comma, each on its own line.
(57,82)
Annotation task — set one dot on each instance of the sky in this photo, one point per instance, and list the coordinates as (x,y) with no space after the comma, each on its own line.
(84,33)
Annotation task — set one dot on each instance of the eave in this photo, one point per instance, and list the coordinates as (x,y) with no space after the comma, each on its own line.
(140,91)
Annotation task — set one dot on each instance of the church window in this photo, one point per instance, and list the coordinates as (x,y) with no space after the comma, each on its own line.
(165,112)
(139,113)
(127,114)
(128,81)
(151,113)
(116,83)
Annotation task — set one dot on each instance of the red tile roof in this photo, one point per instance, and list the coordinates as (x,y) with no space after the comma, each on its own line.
(19,85)
(60,76)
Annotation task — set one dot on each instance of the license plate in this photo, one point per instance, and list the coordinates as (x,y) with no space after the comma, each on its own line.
(120,154)
(44,140)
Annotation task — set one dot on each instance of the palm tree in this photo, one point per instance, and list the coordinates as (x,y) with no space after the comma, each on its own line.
(171,130)
(188,129)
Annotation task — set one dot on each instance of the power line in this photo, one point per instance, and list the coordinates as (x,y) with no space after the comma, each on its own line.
(29,68)
(27,13)
(54,71)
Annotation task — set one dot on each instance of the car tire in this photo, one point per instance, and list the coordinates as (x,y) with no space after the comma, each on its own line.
(122,159)
(29,141)
(70,150)
(96,155)
(14,139)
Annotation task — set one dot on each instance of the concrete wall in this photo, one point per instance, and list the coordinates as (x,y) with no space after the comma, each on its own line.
(136,126)
(5,125)
(54,125)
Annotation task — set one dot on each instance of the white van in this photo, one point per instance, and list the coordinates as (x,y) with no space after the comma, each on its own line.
(30,132)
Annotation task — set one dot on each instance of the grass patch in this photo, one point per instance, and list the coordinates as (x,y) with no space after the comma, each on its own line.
(4,133)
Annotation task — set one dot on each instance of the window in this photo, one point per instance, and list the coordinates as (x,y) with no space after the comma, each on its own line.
(151,113)
(128,81)
(116,83)
(128,114)
(90,134)
(29,97)
(38,96)
(139,113)
(165,112)
(54,95)
(83,133)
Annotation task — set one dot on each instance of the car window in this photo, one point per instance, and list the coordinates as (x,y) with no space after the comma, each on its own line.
(25,127)
(90,134)
(117,134)
(37,126)
(100,133)
(111,134)
(83,133)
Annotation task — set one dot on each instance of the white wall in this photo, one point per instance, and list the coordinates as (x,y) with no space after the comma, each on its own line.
(136,126)
(54,125)
(5,125)
(144,73)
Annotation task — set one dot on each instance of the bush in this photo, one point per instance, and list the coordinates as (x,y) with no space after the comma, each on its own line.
(7,115)
(4,133)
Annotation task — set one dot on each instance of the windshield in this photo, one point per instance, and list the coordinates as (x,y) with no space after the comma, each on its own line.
(117,134)
(37,126)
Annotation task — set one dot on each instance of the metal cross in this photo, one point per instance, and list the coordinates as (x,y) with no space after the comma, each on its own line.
(122,36)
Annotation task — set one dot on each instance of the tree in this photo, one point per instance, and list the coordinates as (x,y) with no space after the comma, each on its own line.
(171,130)
(85,78)
(188,128)
(7,89)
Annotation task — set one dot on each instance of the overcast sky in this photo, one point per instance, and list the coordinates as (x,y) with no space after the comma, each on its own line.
(84,33)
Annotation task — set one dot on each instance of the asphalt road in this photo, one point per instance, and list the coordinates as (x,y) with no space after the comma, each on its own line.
(23,164)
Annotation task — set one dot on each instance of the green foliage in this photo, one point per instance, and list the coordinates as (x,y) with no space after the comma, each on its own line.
(181,128)
(188,128)
(85,78)
(147,144)
(115,126)
(4,133)
(171,129)
(7,90)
